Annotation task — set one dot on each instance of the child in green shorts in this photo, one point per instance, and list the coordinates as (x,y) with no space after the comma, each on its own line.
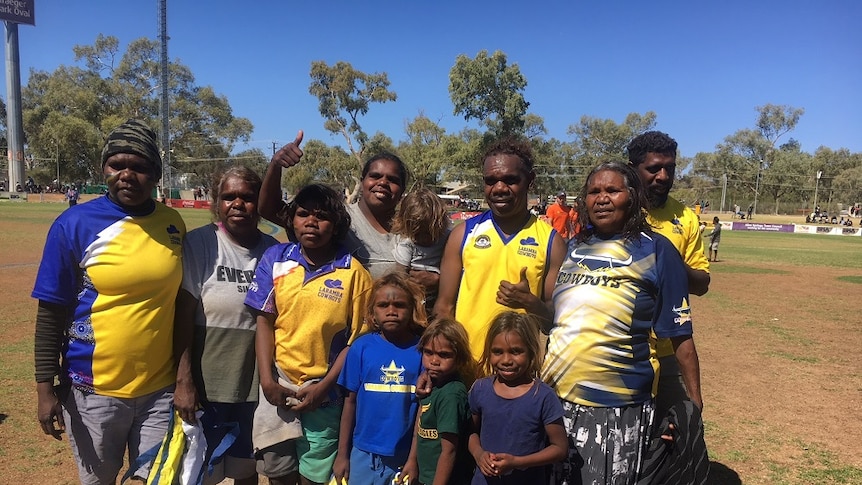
(310,298)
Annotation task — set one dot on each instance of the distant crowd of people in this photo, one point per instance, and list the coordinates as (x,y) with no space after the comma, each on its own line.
(822,217)
(71,192)
(379,344)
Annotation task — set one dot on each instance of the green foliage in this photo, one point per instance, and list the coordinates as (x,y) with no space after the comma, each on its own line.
(68,113)
(774,121)
(752,161)
(781,180)
(345,94)
(599,140)
(489,90)
(428,151)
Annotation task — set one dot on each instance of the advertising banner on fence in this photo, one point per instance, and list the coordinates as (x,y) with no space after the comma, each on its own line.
(834,231)
(187,204)
(757,226)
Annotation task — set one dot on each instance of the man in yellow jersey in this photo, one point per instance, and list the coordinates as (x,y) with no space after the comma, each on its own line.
(653,155)
(503,259)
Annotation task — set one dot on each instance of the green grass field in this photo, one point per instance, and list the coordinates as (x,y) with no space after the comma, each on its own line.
(777,336)
(788,248)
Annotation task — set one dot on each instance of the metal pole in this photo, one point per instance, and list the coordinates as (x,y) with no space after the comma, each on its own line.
(58,165)
(723,192)
(816,183)
(14,123)
(164,106)
(757,187)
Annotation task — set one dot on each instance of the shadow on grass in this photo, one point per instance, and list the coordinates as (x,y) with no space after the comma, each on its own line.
(722,475)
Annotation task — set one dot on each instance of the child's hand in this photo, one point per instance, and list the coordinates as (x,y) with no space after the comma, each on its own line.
(341,469)
(503,463)
(276,394)
(310,397)
(486,464)
(409,472)
(423,385)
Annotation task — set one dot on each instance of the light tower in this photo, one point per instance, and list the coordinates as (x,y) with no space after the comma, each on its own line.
(164,106)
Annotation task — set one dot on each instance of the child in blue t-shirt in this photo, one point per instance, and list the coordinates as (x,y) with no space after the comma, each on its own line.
(517,419)
(380,377)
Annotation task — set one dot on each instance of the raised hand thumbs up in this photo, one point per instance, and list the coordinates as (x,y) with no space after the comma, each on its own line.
(289,154)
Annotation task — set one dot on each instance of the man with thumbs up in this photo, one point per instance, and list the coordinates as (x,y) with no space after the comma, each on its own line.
(503,259)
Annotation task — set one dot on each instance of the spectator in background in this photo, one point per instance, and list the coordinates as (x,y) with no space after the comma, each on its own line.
(563,217)
(107,287)
(714,239)
(72,195)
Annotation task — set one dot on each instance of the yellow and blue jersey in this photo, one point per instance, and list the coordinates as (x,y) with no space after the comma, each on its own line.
(680,225)
(488,257)
(119,272)
(317,310)
(612,297)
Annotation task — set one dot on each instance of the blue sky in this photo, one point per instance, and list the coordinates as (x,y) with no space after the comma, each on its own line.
(703,67)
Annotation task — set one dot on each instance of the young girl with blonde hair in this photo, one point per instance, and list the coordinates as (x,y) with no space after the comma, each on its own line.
(422,226)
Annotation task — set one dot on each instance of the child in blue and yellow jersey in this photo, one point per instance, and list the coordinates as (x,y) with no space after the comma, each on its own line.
(310,297)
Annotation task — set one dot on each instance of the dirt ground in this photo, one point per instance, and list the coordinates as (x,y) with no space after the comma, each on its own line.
(778,345)
(780,369)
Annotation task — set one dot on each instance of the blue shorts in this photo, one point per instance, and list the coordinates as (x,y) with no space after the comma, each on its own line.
(237,462)
(373,469)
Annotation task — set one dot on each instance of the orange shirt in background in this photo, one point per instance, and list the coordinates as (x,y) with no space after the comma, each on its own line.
(563,220)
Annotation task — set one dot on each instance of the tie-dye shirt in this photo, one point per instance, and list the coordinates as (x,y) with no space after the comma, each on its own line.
(612,297)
